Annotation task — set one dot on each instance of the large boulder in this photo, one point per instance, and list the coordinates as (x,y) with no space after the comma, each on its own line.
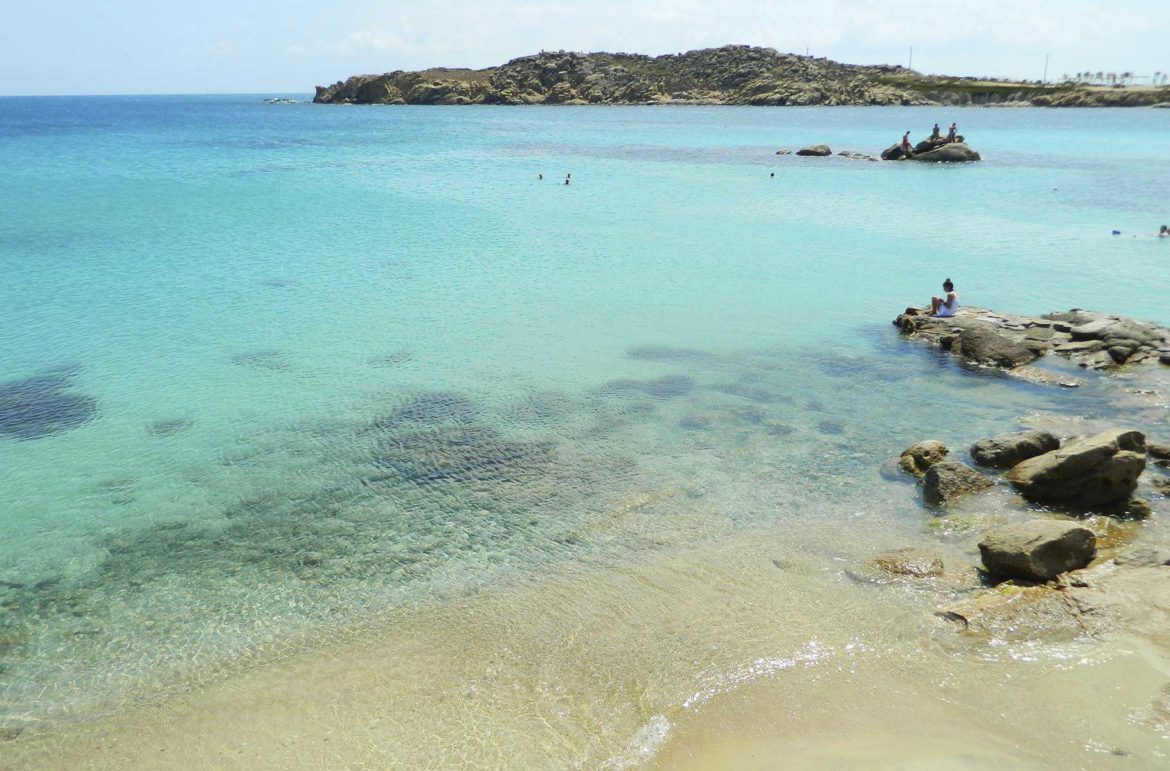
(1007,450)
(817,150)
(955,152)
(896,152)
(933,143)
(1037,551)
(950,480)
(1092,471)
(987,345)
(918,457)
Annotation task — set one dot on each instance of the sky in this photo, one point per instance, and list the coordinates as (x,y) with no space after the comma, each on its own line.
(266,46)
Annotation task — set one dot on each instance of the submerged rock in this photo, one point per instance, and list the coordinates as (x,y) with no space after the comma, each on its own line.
(434,408)
(908,563)
(1092,471)
(43,405)
(855,156)
(1037,551)
(920,456)
(461,454)
(1006,450)
(169,427)
(949,480)
(665,387)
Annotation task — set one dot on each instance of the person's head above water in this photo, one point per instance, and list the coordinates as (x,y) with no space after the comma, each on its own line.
(948,286)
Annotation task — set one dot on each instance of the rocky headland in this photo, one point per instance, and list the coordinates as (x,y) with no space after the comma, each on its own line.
(734,74)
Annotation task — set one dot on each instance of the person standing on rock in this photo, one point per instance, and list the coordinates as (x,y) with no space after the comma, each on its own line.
(906,142)
(946,305)
(935,134)
(952,133)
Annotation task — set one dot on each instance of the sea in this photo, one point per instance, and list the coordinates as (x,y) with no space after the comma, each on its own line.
(537,436)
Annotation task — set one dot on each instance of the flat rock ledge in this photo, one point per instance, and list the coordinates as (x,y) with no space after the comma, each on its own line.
(1095,341)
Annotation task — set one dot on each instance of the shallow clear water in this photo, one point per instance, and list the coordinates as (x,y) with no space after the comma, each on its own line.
(309,365)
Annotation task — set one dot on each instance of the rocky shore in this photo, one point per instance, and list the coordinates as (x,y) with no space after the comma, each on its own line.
(734,75)
(1056,522)
(980,337)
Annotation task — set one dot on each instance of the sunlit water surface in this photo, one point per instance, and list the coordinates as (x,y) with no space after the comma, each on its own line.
(304,374)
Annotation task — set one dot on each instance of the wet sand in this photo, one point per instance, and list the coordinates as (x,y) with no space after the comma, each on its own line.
(754,653)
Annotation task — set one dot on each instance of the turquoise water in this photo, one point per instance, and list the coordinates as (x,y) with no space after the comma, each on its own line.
(298,365)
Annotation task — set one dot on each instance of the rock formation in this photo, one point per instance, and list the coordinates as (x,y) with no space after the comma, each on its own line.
(985,338)
(734,74)
(815,150)
(949,480)
(1037,551)
(1093,471)
(956,152)
(1006,450)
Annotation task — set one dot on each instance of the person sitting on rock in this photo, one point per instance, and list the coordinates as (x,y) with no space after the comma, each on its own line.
(935,133)
(906,142)
(946,305)
(952,133)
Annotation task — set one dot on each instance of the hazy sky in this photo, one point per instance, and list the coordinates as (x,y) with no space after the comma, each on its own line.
(158,46)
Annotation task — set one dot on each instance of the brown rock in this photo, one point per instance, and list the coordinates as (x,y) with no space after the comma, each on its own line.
(950,480)
(1093,471)
(918,457)
(1038,550)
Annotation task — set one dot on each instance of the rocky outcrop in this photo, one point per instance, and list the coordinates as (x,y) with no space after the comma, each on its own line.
(1127,595)
(1006,450)
(948,480)
(815,150)
(856,156)
(734,74)
(920,456)
(1094,471)
(729,75)
(1037,551)
(986,338)
(956,152)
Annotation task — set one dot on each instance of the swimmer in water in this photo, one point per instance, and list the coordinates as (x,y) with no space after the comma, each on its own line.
(540,176)
(566,180)
(1164,232)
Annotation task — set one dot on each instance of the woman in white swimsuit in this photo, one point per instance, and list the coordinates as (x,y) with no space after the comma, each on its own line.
(948,303)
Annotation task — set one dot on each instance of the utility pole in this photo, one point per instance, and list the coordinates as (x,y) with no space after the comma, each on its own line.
(910,64)
(1045,80)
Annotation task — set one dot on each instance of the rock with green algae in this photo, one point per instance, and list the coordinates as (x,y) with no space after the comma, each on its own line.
(947,481)
(920,456)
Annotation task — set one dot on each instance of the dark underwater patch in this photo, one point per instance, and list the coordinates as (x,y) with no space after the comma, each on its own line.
(461,454)
(666,354)
(436,408)
(169,426)
(665,387)
(44,405)
(263,359)
(751,393)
